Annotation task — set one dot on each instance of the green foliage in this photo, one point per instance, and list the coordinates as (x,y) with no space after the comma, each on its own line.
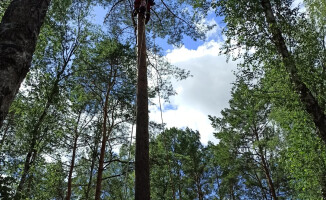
(300,152)
(248,152)
(265,136)
(169,19)
(61,102)
(178,166)
(3,6)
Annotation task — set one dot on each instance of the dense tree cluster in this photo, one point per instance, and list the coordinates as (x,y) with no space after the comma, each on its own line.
(69,132)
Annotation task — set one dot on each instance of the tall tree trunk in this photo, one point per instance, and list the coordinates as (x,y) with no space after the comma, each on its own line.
(142,184)
(32,152)
(218,183)
(19,30)
(27,165)
(72,165)
(199,189)
(179,185)
(35,131)
(104,136)
(323,185)
(232,195)
(268,177)
(310,102)
(102,153)
(94,156)
(265,167)
(261,185)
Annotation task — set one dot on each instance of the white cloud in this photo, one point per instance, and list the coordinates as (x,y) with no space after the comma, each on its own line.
(215,32)
(300,4)
(206,93)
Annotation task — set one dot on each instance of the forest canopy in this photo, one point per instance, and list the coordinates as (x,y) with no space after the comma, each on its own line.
(68,100)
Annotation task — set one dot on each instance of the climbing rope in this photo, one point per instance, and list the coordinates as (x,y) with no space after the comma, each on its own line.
(159,78)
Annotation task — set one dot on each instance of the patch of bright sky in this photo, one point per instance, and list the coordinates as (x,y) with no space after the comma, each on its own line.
(207,92)
(98,15)
(299,3)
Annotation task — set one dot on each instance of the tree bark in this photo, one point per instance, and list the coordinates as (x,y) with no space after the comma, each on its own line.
(94,156)
(105,137)
(179,185)
(268,177)
(199,188)
(261,186)
(310,103)
(31,155)
(142,184)
(19,30)
(265,166)
(72,165)
(27,165)
(35,131)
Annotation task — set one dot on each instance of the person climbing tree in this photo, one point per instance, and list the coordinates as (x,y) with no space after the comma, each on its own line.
(142,8)
(142,178)
(150,3)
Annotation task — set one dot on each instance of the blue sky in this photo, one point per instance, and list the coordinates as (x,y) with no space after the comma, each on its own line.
(206,93)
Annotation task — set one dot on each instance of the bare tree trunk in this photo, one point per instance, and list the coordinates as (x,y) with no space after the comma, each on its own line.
(179,186)
(310,103)
(265,167)
(19,30)
(261,185)
(102,154)
(94,156)
(27,165)
(268,177)
(35,131)
(72,165)
(31,155)
(199,188)
(218,184)
(142,185)
(105,137)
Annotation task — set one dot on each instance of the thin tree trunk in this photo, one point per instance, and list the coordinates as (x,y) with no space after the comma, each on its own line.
(31,155)
(94,156)
(104,137)
(142,184)
(27,166)
(218,183)
(323,185)
(72,165)
(265,167)
(268,177)
(310,103)
(199,189)
(54,91)
(171,181)
(179,186)
(232,195)
(35,131)
(102,153)
(261,186)
(19,30)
